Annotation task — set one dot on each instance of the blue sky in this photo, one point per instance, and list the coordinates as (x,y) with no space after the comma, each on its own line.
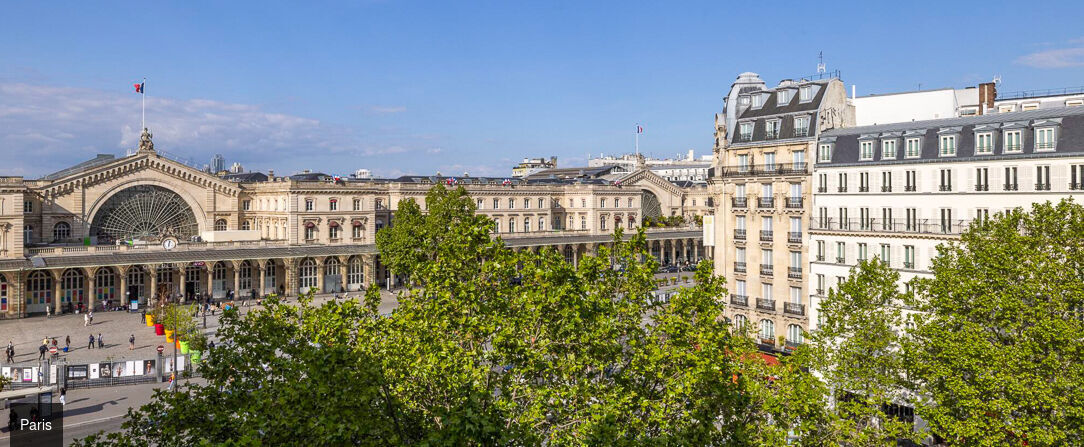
(417,87)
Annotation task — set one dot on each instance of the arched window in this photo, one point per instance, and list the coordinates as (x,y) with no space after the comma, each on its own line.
(541,224)
(39,288)
(105,284)
(767,329)
(71,286)
(355,273)
(28,234)
(497,225)
(741,322)
(307,274)
(602,221)
(62,231)
(269,275)
(244,275)
(220,225)
(246,225)
(632,221)
(526,224)
(136,281)
(218,276)
(511,224)
(794,334)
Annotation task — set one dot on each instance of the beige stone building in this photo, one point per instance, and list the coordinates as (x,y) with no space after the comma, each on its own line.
(761,180)
(125,229)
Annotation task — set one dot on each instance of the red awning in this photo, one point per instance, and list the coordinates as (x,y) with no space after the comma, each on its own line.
(309,225)
(357,223)
(333,224)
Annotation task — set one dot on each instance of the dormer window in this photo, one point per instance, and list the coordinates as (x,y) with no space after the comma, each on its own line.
(913,148)
(781,97)
(1029,106)
(805,94)
(756,100)
(801,126)
(1044,139)
(947,146)
(771,128)
(743,100)
(984,143)
(745,131)
(888,149)
(1074,102)
(1006,108)
(866,152)
(824,153)
(1012,141)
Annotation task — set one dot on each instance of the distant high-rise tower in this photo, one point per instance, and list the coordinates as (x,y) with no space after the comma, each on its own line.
(218,164)
(236,168)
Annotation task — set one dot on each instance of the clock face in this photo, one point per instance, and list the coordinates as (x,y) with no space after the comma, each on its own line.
(169,244)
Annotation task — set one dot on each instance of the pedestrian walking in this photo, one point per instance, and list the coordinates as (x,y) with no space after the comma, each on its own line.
(90,344)
(91,316)
(67,342)
(131,342)
(172,379)
(143,317)
(63,394)
(41,352)
(100,343)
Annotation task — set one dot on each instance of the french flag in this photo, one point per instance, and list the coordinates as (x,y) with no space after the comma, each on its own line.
(639,129)
(139,87)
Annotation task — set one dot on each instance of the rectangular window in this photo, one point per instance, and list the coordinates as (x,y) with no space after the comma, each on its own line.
(357,204)
(769,161)
(984,143)
(743,163)
(863,182)
(28,207)
(886,218)
(910,181)
(246,205)
(781,97)
(862,252)
(1076,177)
(886,254)
(511,203)
(908,256)
(496,204)
(888,149)
(842,182)
(822,182)
(1012,141)
(801,126)
(946,180)
(864,218)
(886,181)
(1042,178)
(982,215)
(841,253)
(1011,179)
(982,179)
(333,233)
(527,203)
(542,203)
(805,94)
(912,148)
(333,205)
(820,284)
(745,131)
(357,232)
(948,146)
(820,250)
(309,205)
(1044,139)
(946,220)
(602,203)
(739,255)
(866,150)
(824,153)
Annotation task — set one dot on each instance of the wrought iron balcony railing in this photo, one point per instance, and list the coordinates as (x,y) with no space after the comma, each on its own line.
(767,170)
(794,309)
(739,300)
(766,304)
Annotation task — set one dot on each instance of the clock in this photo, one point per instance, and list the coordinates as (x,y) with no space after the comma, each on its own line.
(169,243)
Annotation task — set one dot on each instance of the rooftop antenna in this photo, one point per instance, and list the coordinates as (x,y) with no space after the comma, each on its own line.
(997,79)
(820,62)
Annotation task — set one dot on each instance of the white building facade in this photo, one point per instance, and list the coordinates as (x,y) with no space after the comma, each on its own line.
(897,191)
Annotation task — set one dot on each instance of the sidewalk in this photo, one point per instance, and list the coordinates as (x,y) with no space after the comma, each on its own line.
(115,327)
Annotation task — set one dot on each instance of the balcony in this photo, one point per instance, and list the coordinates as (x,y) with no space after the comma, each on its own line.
(1010,187)
(1012,147)
(767,170)
(763,304)
(916,226)
(739,234)
(794,309)
(822,189)
(771,134)
(1044,145)
(863,189)
(739,202)
(766,235)
(794,202)
(765,202)
(944,188)
(739,267)
(739,300)
(886,188)
(909,188)
(801,131)
(766,269)
(745,136)
(820,258)
(908,264)
(1076,186)
(794,272)
(841,260)
(1042,187)
(794,237)
(842,189)
(982,187)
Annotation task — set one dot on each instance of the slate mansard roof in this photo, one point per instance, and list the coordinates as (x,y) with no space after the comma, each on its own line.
(1067,121)
(771,109)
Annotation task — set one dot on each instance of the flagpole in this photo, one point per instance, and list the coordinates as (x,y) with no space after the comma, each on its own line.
(637,138)
(143,99)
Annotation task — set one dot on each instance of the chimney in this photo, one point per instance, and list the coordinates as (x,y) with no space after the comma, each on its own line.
(987,95)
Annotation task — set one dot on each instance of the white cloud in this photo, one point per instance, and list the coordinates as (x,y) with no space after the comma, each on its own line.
(1058,58)
(48,128)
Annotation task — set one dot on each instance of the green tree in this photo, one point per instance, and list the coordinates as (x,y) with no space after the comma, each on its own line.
(858,351)
(493,347)
(998,346)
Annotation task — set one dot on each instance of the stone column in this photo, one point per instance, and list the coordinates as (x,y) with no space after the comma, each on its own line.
(320,271)
(291,275)
(123,281)
(18,294)
(88,288)
(152,271)
(369,269)
(208,269)
(673,251)
(262,265)
(56,290)
(344,268)
(237,278)
(183,273)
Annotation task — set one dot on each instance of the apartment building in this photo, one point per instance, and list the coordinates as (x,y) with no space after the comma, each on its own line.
(897,191)
(761,180)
